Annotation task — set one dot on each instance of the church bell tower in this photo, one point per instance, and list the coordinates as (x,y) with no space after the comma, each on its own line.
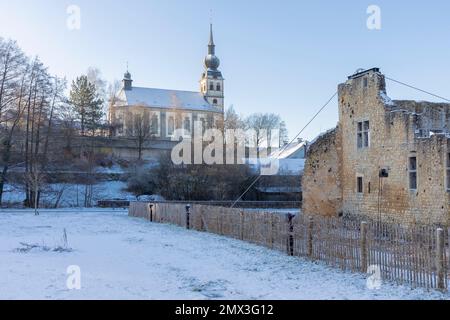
(212,82)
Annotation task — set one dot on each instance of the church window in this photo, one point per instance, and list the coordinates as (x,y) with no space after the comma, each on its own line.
(187,125)
(154,128)
(215,101)
(201,121)
(170,126)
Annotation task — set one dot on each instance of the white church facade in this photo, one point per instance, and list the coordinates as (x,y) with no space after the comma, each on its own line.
(162,112)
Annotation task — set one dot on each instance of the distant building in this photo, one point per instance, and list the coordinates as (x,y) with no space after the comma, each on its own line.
(386,159)
(286,184)
(163,110)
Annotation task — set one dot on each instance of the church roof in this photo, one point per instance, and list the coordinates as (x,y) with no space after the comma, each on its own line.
(162,98)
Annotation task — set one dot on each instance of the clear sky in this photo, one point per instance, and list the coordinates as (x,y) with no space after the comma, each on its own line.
(279,56)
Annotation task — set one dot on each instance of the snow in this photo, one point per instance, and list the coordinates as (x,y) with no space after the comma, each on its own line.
(114,169)
(285,166)
(322,134)
(73,195)
(288,151)
(386,100)
(129,258)
(162,98)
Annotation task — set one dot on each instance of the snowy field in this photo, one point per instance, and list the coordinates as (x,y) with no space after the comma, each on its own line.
(72,195)
(129,258)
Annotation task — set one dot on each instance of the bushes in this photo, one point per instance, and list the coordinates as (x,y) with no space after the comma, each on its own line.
(190,182)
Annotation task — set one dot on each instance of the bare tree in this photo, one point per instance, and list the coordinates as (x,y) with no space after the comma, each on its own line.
(95,77)
(13,81)
(263,124)
(35,180)
(140,128)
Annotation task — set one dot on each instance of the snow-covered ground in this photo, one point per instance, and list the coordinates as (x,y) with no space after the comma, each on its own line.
(128,258)
(72,194)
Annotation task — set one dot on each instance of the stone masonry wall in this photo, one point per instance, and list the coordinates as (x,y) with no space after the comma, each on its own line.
(321,183)
(393,140)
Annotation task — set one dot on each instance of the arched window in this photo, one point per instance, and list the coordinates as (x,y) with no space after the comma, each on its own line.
(187,125)
(154,128)
(170,126)
(215,101)
(218,87)
(211,86)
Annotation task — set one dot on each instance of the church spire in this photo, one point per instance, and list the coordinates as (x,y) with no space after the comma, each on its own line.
(212,82)
(127,81)
(211,45)
(212,62)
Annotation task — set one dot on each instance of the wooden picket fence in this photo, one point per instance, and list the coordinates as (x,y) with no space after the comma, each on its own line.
(413,255)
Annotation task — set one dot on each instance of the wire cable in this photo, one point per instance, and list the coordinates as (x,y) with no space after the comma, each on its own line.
(286,146)
(418,89)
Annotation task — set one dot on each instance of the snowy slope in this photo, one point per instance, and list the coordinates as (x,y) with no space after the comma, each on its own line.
(127,258)
(73,195)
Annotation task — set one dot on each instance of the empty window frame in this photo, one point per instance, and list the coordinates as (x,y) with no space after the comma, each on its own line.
(363,134)
(412,168)
(448,172)
(359,185)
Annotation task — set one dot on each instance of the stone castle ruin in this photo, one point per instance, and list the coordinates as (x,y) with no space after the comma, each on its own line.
(386,159)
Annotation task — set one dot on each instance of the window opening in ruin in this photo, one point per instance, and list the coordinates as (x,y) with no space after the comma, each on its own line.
(448,172)
(360,185)
(413,173)
(363,134)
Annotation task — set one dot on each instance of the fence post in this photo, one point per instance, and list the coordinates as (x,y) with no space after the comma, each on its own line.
(290,234)
(150,208)
(363,239)
(310,237)
(271,240)
(188,214)
(440,261)
(202,222)
(241,231)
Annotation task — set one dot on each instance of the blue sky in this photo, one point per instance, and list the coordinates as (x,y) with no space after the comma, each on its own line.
(281,56)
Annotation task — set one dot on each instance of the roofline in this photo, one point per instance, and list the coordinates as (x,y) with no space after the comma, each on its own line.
(361,73)
(167,108)
(169,90)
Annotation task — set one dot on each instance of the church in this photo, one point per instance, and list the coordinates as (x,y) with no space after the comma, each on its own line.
(158,113)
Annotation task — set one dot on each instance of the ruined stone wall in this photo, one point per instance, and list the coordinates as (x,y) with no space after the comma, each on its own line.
(430,116)
(392,142)
(321,183)
(394,138)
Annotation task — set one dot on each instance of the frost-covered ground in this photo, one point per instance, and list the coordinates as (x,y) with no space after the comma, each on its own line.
(128,258)
(72,194)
